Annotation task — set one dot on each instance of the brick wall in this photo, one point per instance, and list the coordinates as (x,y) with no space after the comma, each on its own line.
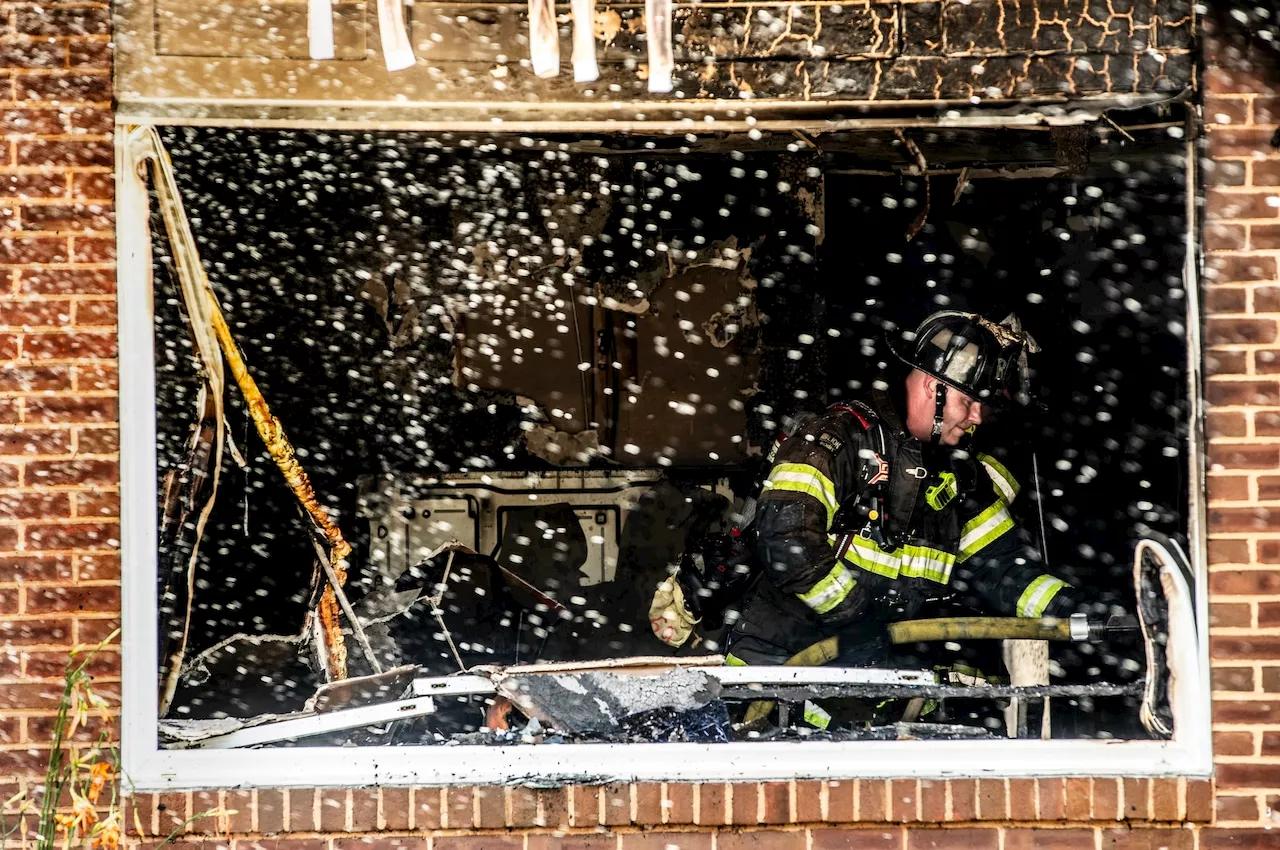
(59,569)
(59,504)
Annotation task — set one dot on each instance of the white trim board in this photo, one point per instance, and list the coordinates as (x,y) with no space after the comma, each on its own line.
(150,768)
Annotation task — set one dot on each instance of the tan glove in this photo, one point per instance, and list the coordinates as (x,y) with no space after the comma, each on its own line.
(668,616)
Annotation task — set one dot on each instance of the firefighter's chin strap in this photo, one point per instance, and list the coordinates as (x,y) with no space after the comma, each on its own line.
(939,402)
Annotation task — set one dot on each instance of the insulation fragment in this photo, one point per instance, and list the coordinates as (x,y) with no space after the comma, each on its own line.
(320,29)
(585,69)
(657,26)
(397,52)
(544,38)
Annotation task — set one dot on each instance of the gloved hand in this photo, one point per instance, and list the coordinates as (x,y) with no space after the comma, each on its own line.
(669,615)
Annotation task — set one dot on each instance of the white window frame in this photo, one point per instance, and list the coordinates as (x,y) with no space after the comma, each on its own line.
(149,767)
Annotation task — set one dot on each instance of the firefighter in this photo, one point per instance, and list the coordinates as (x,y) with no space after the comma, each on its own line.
(873,508)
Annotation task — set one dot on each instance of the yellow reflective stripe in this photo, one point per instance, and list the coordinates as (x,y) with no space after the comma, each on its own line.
(806,479)
(816,716)
(1001,477)
(924,562)
(866,555)
(983,529)
(732,660)
(830,591)
(1038,595)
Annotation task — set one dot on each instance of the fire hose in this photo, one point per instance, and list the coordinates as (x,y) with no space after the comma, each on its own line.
(1078,627)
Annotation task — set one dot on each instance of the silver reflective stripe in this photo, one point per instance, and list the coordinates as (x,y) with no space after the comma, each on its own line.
(986,529)
(1003,480)
(1038,595)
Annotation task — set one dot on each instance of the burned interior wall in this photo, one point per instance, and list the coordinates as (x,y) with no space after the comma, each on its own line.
(474,57)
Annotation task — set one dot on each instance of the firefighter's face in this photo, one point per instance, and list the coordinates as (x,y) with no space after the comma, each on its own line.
(959,414)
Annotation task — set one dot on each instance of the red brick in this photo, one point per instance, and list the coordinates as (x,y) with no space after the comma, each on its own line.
(1106,799)
(96,630)
(77,154)
(63,21)
(857,839)
(64,87)
(78,535)
(1224,237)
(493,808)
(97,440)
(1147,839)
(93,249)
(569,842)
(28,632)
(1165,800)
(35,567)
(61,473)
(10,475)
(1236,520)
(1270,744)
(1271,679)
(8,537)
(1266,423)
(1245,582)
(1225,299)
(1240,331)
(67,346)
(840,800)
(1051,797)
(992,800)
(16,378)
(67,217)
(1251,204)
(1221,111)
(904,800)
(1246,711)
(1265,110)
(478,842)
(1233,678)
(92,120)
(746,799)
(1048,839)
(1242,392)
(1252,647)
(302,809)
(524,807)
(1137,799)
(26,250)
(95,313)
(777,802)
(1238,839)
(1233,743)
(679,803)
(34,505)
(762,840)
(1266,299)
(35,313)
(953,839)
(1268,615)
(89,54)
(964,799)
(270,810)
(1240,142)
(459,808)
(1233,552)
(333,810)
(1228,268)
(33,122)
(92,186)
(67,281)
(70,409)
(1266,173)
(872,807)
(1232,488)
(660,841)
(808,801)
(1022,799)
(1225,172)
(30,186)
(1199,794)
(47,600)
(711,804)
(933,800)
(1231,78)
(33,54)
(427,808)
(1237,808)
